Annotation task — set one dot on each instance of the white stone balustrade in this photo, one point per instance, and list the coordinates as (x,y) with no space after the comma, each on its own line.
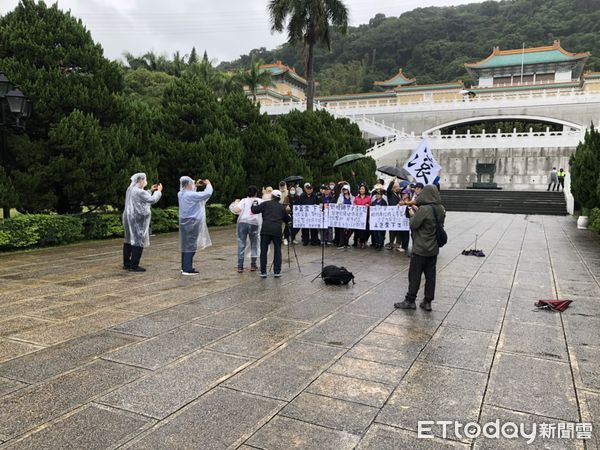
(484,100)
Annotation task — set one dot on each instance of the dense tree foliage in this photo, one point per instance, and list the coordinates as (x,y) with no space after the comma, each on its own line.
(54,60)
(96,122)
(308,23)
(585,170)
(433,43)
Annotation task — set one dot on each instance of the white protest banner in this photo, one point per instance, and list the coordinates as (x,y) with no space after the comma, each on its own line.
(348,216)
(422,165)
(309,216)
(393,218)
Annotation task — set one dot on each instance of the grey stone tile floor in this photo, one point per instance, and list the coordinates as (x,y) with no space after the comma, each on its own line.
(93,357)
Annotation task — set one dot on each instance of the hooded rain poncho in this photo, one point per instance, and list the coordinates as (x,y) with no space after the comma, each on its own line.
(193,230)
(137,213)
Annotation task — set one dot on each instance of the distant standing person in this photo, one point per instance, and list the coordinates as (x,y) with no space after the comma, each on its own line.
(363,199)
(274,214)
(136,220)
(308,197)
(429,209)
(193,231)
(553,180)
(561,178)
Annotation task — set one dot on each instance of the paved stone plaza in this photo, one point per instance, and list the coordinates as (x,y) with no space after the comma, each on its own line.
(95,357)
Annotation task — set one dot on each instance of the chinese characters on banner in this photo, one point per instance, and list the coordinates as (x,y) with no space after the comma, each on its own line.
(422,165)
(348,216)
(351,216)
(309,216)
(393,218)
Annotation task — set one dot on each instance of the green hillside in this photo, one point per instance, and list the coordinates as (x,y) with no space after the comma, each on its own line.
(433,43)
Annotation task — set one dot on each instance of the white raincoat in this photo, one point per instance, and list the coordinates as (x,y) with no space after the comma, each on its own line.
(137,213)
(340,199)
(193,230)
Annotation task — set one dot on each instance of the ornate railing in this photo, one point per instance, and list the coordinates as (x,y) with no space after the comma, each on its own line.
(482,100)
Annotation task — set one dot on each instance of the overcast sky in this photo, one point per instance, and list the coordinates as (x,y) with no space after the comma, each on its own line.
(225,28)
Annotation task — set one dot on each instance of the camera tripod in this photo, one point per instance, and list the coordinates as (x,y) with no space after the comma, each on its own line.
(290,244)
(320,274)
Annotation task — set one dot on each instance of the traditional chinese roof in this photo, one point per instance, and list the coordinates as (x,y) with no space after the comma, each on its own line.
(272,93)
(400,79)
(360,96)
(572,84)
(536,55)
(393,94)
(431,87)
(279,68)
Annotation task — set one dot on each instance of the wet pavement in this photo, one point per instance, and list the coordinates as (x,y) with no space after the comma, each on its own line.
(94,357)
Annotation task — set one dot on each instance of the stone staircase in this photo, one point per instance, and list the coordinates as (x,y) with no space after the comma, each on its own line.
(500,201)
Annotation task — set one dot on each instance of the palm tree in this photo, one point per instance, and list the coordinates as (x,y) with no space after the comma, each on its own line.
(255,77)
(308,22)
(178,65)
(231,82)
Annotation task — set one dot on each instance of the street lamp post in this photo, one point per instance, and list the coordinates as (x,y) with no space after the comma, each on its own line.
(15,108)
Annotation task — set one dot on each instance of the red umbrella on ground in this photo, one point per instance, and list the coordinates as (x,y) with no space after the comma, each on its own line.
(554,305)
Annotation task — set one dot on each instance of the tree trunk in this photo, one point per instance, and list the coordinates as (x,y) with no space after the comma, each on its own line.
(310,77)
(6,212)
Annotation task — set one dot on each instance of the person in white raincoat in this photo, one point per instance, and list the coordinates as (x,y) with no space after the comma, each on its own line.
(193,231)
(136,220)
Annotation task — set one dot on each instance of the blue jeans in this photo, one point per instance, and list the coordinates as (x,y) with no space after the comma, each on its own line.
(187,261)
(245,231)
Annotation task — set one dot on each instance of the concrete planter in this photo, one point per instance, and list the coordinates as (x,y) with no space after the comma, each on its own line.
(582,222)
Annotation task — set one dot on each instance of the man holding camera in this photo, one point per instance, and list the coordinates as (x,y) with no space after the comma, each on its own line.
(274,215)
(424,216)
(136,220)
(193,231)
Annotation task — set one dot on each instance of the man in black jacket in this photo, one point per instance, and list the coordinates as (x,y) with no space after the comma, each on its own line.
(274,214)
(308,197)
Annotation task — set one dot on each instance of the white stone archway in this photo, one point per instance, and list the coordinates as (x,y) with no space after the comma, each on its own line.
(567,126)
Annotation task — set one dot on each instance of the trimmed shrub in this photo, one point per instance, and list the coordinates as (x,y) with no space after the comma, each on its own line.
(595,220)
(218,215)
(165,220)
(102,225)
(39,231)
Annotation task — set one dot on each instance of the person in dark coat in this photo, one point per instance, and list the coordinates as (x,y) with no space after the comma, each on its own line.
(394,197)
(308,197)
(425,247)
(274,215)
(378,236)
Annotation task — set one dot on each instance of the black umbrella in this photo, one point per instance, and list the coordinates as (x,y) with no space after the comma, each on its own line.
(348,159)
(394,171)
(293,179)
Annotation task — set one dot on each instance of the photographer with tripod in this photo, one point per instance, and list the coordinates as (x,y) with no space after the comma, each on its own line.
(274,214)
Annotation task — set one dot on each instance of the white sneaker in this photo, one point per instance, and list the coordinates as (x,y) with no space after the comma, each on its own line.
(285,242)
(401,250)
(189,274)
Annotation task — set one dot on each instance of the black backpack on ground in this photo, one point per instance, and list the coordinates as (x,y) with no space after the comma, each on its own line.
(440,233)
(336,275)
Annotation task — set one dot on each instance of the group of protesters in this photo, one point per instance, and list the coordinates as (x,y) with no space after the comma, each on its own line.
(397,193)
(269,214)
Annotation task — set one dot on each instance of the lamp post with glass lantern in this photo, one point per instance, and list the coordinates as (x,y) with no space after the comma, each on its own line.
(15,108)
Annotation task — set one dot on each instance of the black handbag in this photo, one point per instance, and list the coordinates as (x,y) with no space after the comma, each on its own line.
(336,275)
(440,233)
